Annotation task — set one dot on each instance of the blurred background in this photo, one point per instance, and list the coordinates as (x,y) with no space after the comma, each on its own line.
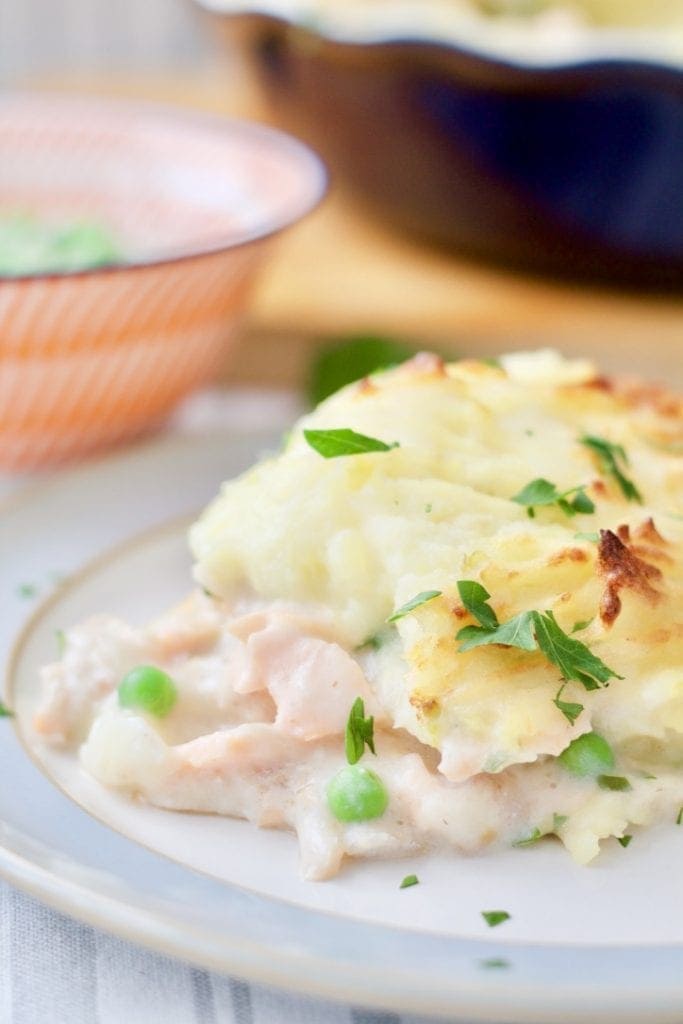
(93,37)
(491,187)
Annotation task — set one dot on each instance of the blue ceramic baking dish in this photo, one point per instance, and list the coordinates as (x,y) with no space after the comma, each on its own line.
(572,168)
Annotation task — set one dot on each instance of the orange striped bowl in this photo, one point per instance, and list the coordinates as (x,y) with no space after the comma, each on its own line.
(94,357)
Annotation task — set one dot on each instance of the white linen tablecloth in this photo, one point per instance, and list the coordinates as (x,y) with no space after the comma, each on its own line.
(54,970)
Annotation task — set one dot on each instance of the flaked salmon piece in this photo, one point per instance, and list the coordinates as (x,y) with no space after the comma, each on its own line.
(312,681)
(218,664)
(190,627)
(253,747)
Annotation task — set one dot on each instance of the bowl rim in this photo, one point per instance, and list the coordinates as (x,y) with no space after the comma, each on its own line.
(209,123)
(503,56)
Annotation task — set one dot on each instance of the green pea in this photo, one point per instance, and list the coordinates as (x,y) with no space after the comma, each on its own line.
(589,754)
(357,794)
(148,688)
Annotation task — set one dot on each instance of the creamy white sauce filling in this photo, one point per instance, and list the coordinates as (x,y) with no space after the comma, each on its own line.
(257,732)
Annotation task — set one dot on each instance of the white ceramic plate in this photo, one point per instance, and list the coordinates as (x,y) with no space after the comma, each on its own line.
(593,944)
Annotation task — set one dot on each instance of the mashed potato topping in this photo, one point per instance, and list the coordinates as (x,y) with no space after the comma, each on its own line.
(558,492)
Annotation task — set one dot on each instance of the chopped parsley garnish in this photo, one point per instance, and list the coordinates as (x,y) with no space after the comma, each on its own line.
(494,963)
(428,508)
(359,732)
(60,637)
(475,598)
(27,590)
(573,658)
(415,602)
(5,711)
(589,754)
(516,632)
(530,631)
(679,818)
(533,837)
(570,709)
(376,642)
(609,456)
(409,881)
(530,839)
(624,840)
(617,783)
(594,538)
(542,492)
(578,627)
(495,917)
(333,443)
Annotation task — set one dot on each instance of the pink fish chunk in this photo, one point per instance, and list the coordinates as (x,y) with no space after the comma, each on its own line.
(313,681)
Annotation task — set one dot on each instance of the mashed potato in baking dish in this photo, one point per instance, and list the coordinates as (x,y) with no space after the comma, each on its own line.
(448,614)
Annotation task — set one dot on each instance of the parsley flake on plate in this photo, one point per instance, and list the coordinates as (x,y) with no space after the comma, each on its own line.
(409,881)
(5,711)
(415,602)
(624,840)
(495,917)
(343,441)
(541,492)
(679,817)
(609,457)
(359,732)
(495,963)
